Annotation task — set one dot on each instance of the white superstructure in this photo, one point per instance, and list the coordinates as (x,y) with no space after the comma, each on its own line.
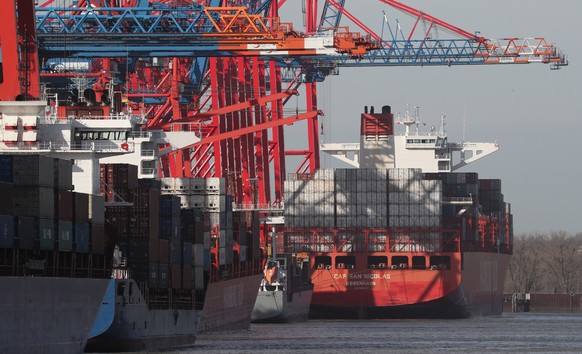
(29,127)
(430,151)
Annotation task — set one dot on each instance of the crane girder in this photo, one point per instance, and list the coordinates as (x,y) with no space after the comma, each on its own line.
(172,31)
(257,128)
(417,48)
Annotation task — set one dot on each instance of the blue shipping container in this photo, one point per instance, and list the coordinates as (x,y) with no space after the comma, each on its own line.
(6,168)
(46,234)
(6,231)
(25,232)
(82,237)
(65,235)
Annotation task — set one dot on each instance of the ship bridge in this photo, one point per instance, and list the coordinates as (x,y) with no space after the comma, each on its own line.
(431,151)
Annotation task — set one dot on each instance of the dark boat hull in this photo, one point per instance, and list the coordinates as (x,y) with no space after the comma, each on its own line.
(133,326)
(279,306)
(228,304)
(48,315)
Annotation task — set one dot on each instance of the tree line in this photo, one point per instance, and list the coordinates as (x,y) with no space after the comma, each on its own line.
(545,264)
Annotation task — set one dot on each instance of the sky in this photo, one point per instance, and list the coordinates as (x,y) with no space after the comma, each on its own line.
(530,110)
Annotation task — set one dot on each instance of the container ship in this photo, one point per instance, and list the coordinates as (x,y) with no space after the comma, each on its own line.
(54,264)
(403,235)
(129,262)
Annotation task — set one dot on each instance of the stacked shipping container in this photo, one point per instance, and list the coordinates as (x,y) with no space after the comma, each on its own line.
(226,236)
(170,234)
(342,205)
(44,220)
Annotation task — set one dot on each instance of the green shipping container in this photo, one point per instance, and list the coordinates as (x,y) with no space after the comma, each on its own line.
(46,234)
(65,236)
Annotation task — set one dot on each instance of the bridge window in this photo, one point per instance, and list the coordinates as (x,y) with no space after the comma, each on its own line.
(399,262)
(418,262)
(322,262)
(377,262)
(345,262)
(440,262)
(101,135)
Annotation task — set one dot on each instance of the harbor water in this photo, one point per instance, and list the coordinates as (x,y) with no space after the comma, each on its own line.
(509,333)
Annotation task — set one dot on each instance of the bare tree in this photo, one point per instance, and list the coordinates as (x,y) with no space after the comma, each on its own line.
(526,263)
(563,262)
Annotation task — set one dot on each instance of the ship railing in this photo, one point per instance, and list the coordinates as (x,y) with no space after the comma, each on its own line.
(97,146)
(420,145)
(395,241)
(458,200)
(145,134)
(187,127)
(54,120)
(113,116)
(148,153)
(274,207)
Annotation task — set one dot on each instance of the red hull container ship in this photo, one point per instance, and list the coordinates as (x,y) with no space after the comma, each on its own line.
(402,236)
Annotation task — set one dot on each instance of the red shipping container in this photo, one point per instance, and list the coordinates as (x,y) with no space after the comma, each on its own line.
(64,203)
(81,203)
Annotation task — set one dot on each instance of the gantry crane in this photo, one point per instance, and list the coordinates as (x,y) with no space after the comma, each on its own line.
(227,70)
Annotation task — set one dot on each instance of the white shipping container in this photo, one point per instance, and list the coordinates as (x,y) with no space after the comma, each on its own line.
(422,222)
(197,185)
(329,222)
(214,185)
(340,198)
(382,210)
(382,198)
(196,201)
(167,184)
(215,202)
(182,184)
(393,221)
(381,186)
(394,198)
(185,201)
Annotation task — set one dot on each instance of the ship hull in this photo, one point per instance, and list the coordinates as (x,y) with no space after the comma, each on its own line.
(134,326)
(280,306)
(474,288)
(228,304)
(48,315)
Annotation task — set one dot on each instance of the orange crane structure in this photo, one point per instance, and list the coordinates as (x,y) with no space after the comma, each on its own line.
(225,70)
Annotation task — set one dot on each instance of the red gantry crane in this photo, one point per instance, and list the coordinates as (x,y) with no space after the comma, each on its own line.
(226,70)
